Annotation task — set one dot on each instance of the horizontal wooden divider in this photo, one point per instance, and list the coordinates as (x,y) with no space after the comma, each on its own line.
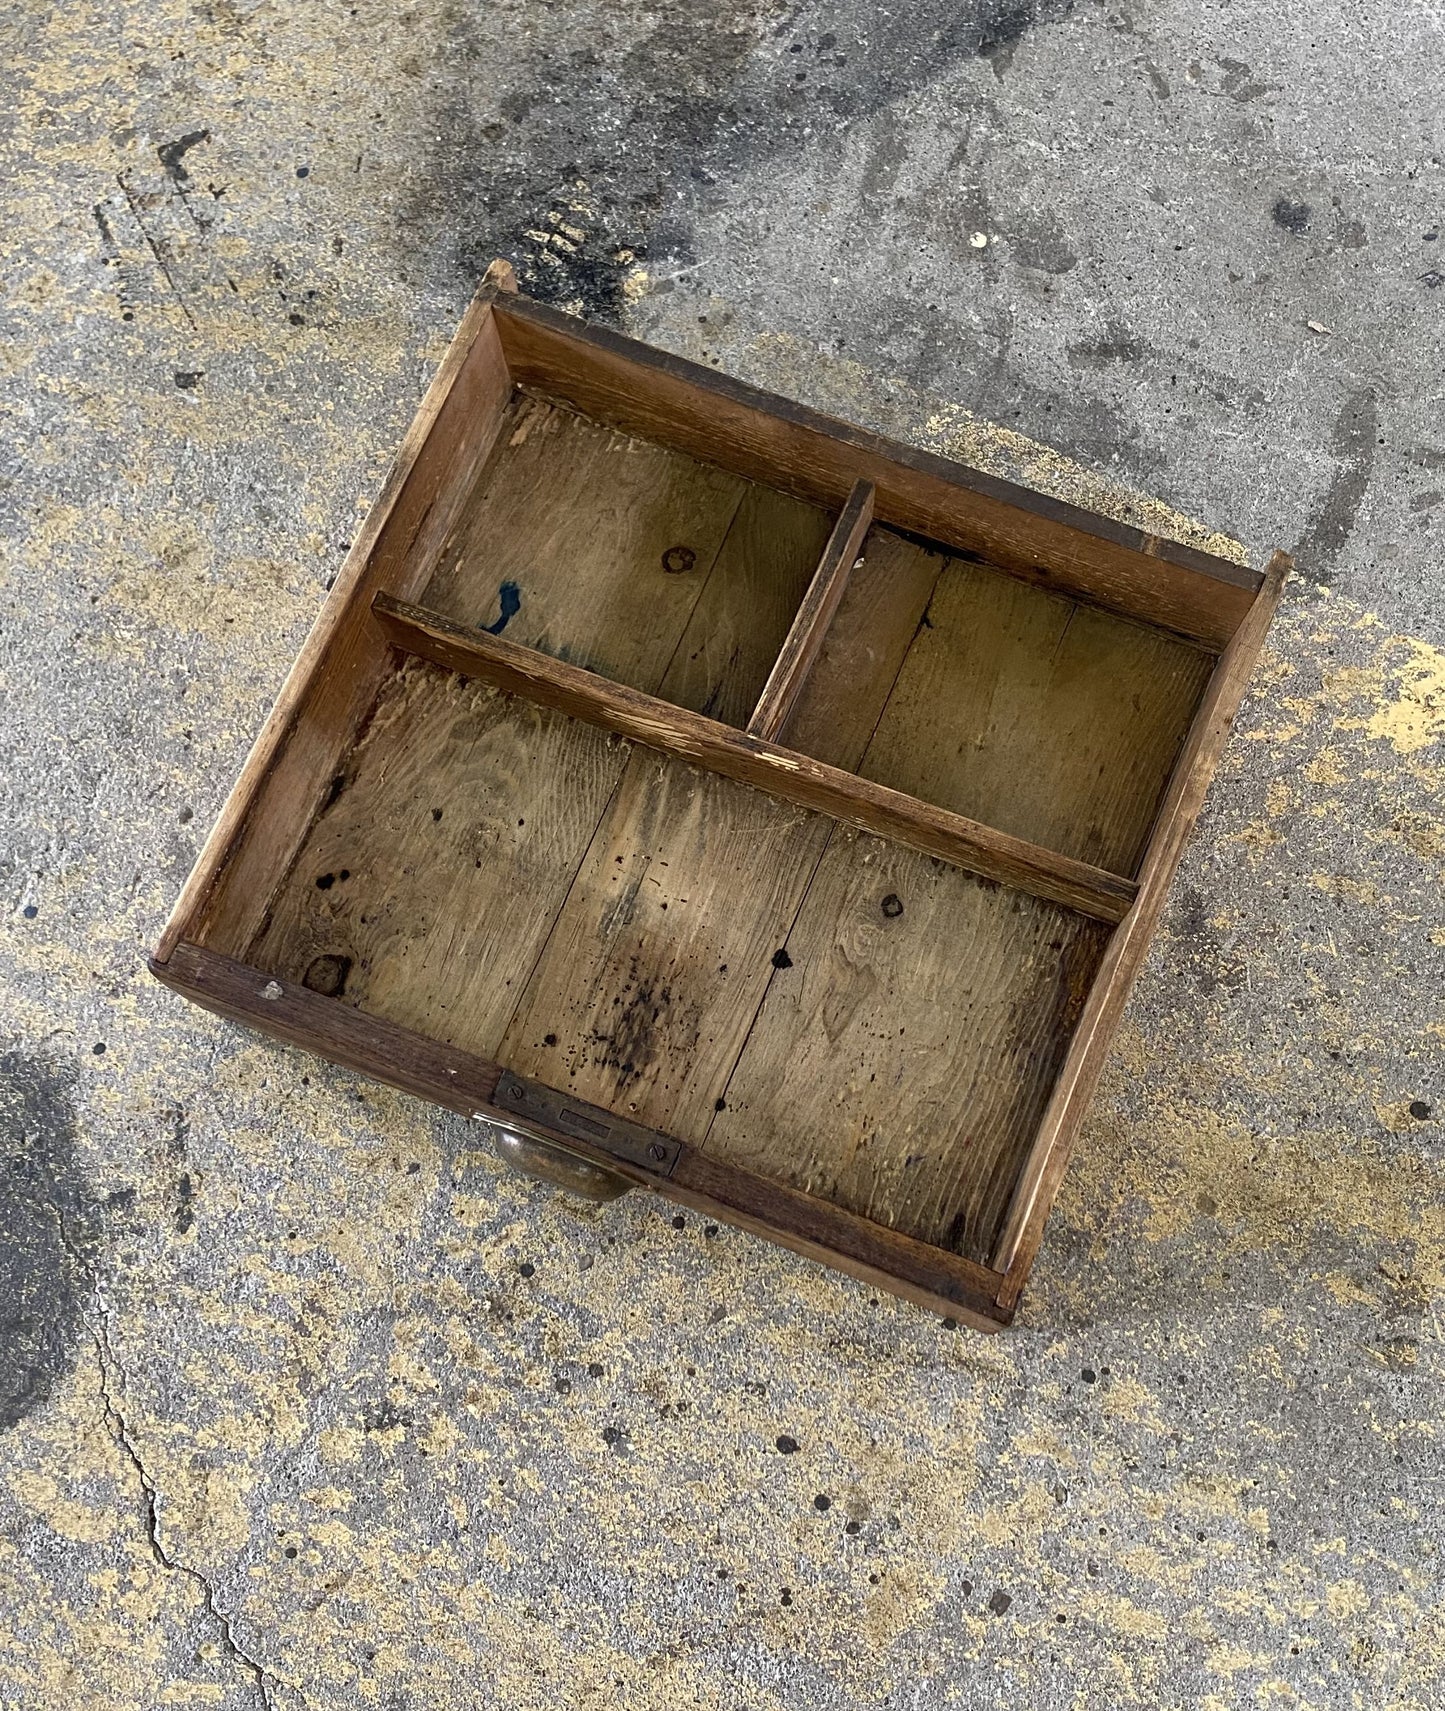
(809,628)
(723,749)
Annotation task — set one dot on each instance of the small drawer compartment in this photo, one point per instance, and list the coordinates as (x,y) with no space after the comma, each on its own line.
(1027,710)
(630,559)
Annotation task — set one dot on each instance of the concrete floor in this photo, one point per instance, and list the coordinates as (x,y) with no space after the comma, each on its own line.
(306,1404)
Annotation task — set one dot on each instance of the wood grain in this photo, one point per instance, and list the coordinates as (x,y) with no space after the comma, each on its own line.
(944,1283)
(864,649)
(1053,721)
(428,883)
(289,1011)
(659,959)
(773,440)
(1043,1171)
(336,674)
(566,543)
(782,773)
(901,1061)
(804,641)
(744,612)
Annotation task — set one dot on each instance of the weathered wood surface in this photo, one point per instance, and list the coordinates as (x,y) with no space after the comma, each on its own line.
(426,888)
(719,748)
(904,1053)
(1053,721)
(657,964)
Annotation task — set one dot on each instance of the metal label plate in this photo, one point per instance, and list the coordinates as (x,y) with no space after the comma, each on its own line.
(608,1133)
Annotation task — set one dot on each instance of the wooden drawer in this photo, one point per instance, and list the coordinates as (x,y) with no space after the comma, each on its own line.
(722,799)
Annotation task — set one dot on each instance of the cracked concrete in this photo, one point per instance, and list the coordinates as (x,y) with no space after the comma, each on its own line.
(302,1401)
(115,1418)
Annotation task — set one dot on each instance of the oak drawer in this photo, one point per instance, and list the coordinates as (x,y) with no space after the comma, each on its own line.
(721,799)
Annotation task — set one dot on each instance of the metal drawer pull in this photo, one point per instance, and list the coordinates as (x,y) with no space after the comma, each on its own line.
(544,1159)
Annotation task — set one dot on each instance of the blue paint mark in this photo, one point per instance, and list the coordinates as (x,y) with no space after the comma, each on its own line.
(509,597)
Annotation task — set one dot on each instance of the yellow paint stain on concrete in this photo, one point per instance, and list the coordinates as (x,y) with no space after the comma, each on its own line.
(1328,767)
(1125,1397)
(471,1209)
(1423,837)
(340,1446)
(210,1506)
(1396,1116)
(888,1611)
(329,1497)
(1346,1288)
(1345,1599)
(1017,1523)
(1412,718)
(1396,699)
(1273,1192)
(1120,1615)
(1258,840)
(66,1516)
(1279,798)
(1230,1659)
(1361,891)
(250,598)
(1045,1441)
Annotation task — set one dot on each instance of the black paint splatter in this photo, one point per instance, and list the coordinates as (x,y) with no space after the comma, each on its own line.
(1293,217)
(1333,519)
(603,157)
(172,155)
(509,603)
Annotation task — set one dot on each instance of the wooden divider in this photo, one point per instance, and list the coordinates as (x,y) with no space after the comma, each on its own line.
(809,629)
(749,760)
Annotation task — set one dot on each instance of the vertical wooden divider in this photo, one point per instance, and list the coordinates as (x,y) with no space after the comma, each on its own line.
(809,628)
